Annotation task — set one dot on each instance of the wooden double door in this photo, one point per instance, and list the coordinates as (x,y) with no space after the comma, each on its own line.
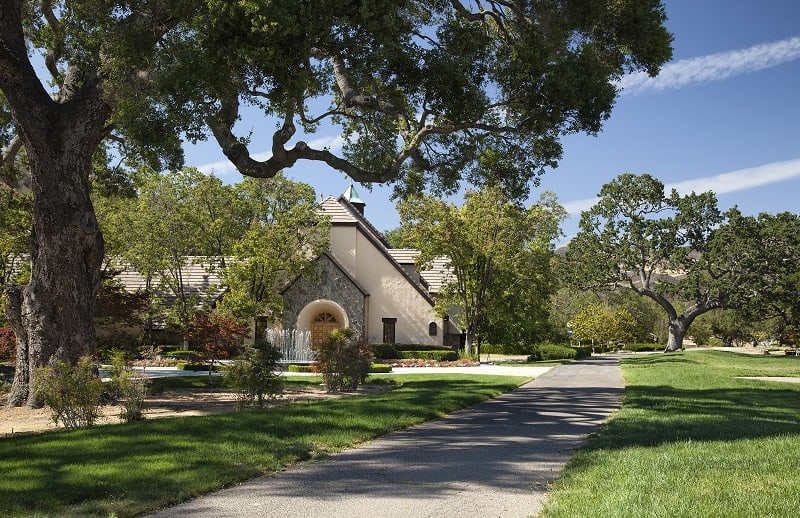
(321,327)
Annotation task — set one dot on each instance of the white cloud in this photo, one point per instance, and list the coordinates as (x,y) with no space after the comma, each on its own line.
(733,181)
(740,180)
(714,67)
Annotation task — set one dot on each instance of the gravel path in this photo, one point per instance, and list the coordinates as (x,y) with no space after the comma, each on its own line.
(492,459)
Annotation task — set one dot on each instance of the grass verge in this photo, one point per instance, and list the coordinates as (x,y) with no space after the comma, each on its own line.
(692,439)
(131,469)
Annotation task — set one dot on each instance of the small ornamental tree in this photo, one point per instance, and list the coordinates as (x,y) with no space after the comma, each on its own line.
(598,323)
(215,337)
(343,359)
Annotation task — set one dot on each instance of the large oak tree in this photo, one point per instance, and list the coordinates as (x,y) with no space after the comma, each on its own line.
(420,90)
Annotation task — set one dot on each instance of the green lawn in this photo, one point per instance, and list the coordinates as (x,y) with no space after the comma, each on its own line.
(692,440)
(131,469)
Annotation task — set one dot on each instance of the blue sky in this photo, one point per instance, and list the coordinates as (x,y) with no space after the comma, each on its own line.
(724,115)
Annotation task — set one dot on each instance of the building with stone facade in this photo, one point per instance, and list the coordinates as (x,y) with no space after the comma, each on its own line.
(364,284)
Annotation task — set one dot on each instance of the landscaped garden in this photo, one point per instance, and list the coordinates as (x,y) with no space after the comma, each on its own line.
(695,437)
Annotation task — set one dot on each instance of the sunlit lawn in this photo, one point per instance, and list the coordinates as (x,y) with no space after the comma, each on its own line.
(131,469)
(692,439)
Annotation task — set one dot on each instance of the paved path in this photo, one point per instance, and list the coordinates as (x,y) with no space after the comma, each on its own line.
(492,459)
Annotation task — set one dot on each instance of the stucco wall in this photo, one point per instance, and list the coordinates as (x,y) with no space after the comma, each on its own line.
(391,293)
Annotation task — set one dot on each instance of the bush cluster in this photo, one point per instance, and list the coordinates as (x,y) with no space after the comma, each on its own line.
(73,393)
(343,359)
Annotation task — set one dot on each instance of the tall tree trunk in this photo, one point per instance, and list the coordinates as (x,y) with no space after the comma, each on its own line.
(53,315)
(677,332)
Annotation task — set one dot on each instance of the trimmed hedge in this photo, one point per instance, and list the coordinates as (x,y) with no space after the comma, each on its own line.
(377,368)
(642,347)
(183,354)
(439,355)
(198,367)
(293,367)
(547,352)
(393,351)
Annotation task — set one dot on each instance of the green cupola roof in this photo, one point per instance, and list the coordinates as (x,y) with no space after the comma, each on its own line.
(352,196)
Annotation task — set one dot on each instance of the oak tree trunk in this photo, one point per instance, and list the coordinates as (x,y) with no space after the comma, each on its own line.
(53,315)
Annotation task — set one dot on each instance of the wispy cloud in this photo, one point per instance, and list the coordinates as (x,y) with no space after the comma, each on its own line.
(740,180)
(223,168)
(713,67)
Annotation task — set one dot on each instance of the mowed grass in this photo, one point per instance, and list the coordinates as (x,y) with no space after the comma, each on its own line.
(130,469)
(692,439)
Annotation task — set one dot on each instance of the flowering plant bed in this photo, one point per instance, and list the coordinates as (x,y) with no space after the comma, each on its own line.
(434,363)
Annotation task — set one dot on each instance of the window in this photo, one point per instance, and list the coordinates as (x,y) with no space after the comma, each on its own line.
(389,330)
(432,329)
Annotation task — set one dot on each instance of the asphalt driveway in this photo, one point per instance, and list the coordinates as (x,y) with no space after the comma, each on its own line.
(492,459)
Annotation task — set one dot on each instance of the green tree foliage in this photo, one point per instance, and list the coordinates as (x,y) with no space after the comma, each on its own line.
(283,236)
(419,89)
(640,238)
(758,256)
(498,253)
(597,323)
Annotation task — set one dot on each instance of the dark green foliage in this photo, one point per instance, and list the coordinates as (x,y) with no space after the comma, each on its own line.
(343,359)
(255,376)
(546,352)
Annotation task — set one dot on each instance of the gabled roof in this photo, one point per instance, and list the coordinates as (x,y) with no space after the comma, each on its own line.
(201,276)
(342,212)
(436,276)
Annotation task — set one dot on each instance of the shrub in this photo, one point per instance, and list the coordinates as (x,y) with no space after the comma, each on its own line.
(74,393)
(300,368)
(254,376)
(549,352)
(130,389)
(8,344)
(380,368)
(343,360)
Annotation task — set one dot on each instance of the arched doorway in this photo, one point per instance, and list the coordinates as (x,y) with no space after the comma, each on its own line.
(321,325)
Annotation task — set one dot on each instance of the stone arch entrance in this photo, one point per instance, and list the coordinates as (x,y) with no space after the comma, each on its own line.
(321,317)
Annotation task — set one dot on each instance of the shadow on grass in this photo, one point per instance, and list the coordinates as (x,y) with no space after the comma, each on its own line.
(671,414)
(132,468)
